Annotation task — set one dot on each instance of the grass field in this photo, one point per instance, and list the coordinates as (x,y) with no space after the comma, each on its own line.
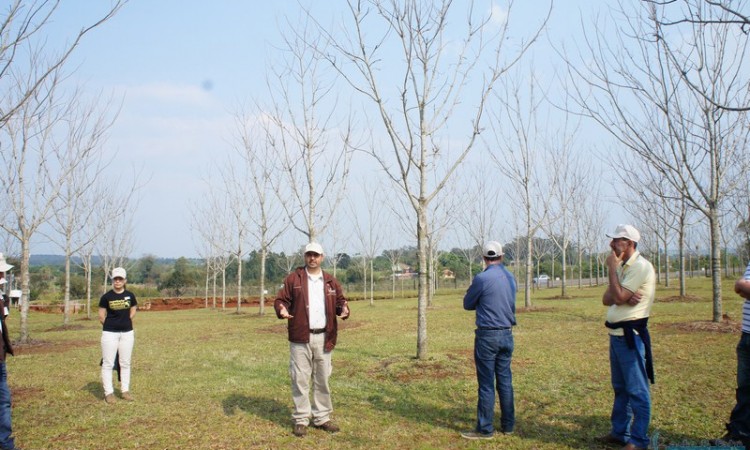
(206,379)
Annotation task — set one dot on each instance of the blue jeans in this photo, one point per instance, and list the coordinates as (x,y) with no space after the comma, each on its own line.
(493,350)
(739,420)
(631,411)
(6,441)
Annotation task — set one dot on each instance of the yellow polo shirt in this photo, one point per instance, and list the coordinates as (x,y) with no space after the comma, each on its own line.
(636,275)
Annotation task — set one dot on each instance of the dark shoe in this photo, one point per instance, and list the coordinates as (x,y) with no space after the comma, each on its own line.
(728,440)
(300,430)
(610,440)
(329,427)
(474,435)
(631,446)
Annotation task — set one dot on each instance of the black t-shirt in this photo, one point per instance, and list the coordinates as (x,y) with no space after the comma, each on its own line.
(118,310)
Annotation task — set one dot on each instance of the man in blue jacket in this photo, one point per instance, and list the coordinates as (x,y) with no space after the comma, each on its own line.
(492,295)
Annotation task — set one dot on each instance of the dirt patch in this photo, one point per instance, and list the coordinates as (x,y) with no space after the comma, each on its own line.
(534,309)
(178,303)
(40,347)
(560,297)
(726,325)
(683,299)
(67,328)
(405,370)
(25,393)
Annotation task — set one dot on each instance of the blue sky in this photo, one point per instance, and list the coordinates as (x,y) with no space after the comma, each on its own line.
(180,69)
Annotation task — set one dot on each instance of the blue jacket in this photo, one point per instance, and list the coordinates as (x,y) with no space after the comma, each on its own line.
(493,295)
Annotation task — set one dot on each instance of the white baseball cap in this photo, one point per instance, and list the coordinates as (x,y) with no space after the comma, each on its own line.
(314,247)
(119,272)
(4,266)
(492,249)
(626,231)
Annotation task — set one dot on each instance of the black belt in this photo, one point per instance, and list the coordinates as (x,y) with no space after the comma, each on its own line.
(493,328)
(317,330)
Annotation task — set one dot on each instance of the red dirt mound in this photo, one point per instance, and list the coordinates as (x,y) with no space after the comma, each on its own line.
(176,303)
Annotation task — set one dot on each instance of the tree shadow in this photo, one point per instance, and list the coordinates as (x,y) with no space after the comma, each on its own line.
(267,408)
(537,425)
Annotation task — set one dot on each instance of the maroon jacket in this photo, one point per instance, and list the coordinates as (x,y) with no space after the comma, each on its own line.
(293,296)
(6,347)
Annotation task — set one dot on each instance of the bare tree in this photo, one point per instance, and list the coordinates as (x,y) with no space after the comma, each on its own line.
(481,201)
(36,164)
(114,242)
(314,151)
(74,207)
(421,95)
(237,190)
(571,173)
(23,26)
(520,141)
(210,233)
(263,209)
(692,13)
(634,94)
(369,232)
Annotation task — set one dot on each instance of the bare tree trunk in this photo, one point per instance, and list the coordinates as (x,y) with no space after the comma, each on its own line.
(263,258)
(423,283)
(715,227)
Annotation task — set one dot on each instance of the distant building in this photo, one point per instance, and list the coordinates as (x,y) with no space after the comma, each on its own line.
(403,271)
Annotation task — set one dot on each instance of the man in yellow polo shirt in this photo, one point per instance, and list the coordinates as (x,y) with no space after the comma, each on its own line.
(629,296)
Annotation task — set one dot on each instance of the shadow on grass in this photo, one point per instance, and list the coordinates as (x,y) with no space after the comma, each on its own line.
(572,430)
(267,408)
(95,389)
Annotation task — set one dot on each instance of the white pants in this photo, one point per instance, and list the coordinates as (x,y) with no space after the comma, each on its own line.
(112,343)
(310,361)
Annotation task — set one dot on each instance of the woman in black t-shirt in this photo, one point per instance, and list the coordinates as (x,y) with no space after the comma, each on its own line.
(116,310)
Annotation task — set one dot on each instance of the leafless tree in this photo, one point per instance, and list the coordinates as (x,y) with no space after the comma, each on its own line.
(265,200)
(209,219)
(314,149)
(339,235)
(237,190)
(569,189)
(114,242)
(368,230)
(27,63)
(699,13)
(634,86)
(36,166)
(521,158)
(477,222)
(74,208)
(425,94)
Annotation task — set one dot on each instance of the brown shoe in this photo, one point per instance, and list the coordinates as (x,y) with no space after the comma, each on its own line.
(329,427)
(299,430)
(110,398)
(631,446)
(610,440)
(127,397)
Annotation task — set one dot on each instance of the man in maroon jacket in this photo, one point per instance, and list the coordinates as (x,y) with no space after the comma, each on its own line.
(310,300)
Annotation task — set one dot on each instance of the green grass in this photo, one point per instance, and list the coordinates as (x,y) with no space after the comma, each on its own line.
(207,379)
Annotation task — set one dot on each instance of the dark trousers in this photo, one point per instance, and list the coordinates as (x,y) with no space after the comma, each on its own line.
(739,420)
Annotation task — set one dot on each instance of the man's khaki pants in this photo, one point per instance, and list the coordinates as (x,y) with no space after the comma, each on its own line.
(306,362)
